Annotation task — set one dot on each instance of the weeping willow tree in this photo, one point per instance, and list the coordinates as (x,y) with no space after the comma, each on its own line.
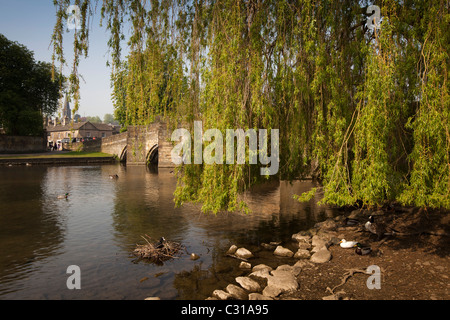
(364,111)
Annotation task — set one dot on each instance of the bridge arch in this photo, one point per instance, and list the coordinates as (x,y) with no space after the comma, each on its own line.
(152,155)
(123,154)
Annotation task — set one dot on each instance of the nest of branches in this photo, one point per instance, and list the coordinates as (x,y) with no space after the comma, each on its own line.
(158,251)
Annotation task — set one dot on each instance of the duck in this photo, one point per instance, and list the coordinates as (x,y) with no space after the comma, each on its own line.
(347,244)
(113,176)
(63,196)
(362,250)
(379,228)
(160,243)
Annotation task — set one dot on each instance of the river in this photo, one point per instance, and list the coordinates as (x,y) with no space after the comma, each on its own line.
(99,225)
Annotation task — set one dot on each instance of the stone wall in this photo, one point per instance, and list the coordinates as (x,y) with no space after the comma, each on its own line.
(165,146)
(22,144)
(141,140)
(115,144)
(90,146)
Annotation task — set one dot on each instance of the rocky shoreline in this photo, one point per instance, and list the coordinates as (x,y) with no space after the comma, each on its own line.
(266,283)
(314,248)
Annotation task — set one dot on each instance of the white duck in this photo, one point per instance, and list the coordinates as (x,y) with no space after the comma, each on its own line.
(347,244)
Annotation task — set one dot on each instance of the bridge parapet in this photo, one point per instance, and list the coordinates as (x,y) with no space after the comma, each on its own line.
(115,144)
(141,144)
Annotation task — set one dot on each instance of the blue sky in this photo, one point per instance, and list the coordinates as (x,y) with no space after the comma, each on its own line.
(31,22)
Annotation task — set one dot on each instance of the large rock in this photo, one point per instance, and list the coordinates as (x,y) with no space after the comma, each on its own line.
(232,249)
(268,246)
(261,267)
(301,238)
(280,281)
(283,252)
(355,214)
(243,253)
(293,269)
(237,292)
(261,273)
(271,291)
(359,214)
(318,241)
(321,256)
(302,254)
(245,265)
(303,264)
(248,284)
(284,279)
(328,224)
(304,246)
(258,296)
(221,295)
(327,235)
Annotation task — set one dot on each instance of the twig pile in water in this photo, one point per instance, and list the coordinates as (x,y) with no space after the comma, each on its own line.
(158,251)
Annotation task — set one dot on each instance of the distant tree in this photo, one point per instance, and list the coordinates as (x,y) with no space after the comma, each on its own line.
(94,119)
(27,92)
(109,118)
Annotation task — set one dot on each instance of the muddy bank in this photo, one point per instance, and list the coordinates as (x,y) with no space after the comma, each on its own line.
(413,263)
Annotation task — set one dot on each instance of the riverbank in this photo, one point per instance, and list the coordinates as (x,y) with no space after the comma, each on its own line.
(413,264)
(56,158)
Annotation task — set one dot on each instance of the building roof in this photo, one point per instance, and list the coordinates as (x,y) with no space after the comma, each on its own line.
(77,126)
(103,126)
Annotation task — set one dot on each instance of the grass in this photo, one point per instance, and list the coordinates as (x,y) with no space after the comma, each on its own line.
(70,154)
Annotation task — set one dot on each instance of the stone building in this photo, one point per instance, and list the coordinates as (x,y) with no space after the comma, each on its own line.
(79,131)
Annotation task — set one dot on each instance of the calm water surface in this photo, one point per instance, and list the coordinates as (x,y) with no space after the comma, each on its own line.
(98,227)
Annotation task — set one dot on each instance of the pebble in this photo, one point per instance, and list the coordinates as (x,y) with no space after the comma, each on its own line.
(243,253)
(245,265)
(194,256)
(283,252)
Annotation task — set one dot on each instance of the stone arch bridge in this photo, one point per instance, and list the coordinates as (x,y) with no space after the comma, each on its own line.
(141,145)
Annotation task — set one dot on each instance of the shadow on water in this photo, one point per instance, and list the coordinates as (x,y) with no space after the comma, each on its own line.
(100,224)
(31,230)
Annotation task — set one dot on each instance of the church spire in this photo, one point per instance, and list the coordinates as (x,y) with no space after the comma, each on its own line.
(66,110)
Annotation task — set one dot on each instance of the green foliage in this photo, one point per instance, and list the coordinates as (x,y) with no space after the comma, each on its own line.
(93,119)
(364,112)
(109,118)
(27,92)
(306,196)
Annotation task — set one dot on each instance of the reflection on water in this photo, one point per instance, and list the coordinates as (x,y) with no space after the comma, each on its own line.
(103,219)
